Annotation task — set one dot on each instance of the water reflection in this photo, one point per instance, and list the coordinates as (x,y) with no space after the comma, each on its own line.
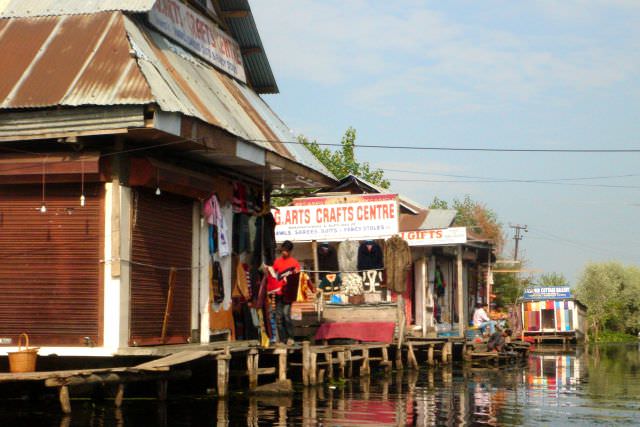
(551,388)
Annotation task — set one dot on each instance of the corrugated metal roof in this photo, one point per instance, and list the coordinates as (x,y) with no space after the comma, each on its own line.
(82,60)
(31,8)
(181,82)
(57,122)
(68,60)
(428,219)
(243,28)
(245,31)
(439,218)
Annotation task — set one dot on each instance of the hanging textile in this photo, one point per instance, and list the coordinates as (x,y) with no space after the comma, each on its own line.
(371,281)
(264,245)
(214,216)
(241,282)
(305,288)
(370,256)
(348,255)
(327,259)
(241,236)
(216,283)
(397,257)
(290,289)
(440,284)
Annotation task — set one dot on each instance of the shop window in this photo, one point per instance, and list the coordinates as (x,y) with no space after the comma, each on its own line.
(548,319)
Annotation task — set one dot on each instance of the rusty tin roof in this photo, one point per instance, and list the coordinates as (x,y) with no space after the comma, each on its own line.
(68,60)
(108,58)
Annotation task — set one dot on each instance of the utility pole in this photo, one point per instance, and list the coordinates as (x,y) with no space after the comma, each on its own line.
(518,236)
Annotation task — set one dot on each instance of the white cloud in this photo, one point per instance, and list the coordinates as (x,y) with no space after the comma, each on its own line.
(409,58)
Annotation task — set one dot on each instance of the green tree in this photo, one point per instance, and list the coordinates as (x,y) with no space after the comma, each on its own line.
(342,162)
(481,220)
(508,287)
(552,279)
(611,292)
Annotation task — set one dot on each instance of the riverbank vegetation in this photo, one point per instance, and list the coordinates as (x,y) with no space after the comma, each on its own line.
(611,292)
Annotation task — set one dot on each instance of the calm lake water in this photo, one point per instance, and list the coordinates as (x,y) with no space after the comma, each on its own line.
(599,387)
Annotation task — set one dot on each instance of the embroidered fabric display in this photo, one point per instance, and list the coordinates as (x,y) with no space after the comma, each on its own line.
(331,283)
(352,284)
(372,281)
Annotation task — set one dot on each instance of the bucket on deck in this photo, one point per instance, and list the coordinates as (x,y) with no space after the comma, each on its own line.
(23,360)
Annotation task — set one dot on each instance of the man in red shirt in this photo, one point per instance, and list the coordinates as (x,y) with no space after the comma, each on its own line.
(283,266)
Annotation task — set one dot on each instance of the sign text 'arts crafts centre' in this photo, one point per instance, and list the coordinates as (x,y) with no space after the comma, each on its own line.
(338,221)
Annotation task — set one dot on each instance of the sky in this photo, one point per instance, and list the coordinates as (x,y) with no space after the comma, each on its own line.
(540,74)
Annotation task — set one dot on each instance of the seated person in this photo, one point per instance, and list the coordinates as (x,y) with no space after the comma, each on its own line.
(498,340)
(481,319)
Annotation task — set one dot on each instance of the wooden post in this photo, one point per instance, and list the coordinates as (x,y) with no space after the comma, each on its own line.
(349,354)
(316,264)
(313,366)
(252,369)
(223,373)
(282,365)
(430,355)
(162,390)
(305,362)
(119,397)
(446,351)
(426,294)
(329,358)
(65,402)
(364,368)
(411,357)
(461,304)
(341,364)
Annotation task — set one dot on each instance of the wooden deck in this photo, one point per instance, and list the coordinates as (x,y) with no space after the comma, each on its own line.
(267,370)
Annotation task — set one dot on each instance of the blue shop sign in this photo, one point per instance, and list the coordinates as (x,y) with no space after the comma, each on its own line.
(547,292)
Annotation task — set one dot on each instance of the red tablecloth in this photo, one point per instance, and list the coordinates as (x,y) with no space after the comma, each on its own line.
(361,331)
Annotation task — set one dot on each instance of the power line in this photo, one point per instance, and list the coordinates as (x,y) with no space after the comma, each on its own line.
(511,179)
(476,149)
(436,181)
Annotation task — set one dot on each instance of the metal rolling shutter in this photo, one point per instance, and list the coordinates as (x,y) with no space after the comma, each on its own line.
(161,238)
(50,269)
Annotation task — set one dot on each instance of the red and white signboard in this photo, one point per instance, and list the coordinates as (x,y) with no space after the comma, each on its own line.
(198,34)
(323,219)
(445,236)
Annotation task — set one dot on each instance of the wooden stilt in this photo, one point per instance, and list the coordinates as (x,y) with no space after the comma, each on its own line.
(223,373)
(349,363)
(119,397)
(282,365)
(365,370)
(162,390)
(446,351)
(329,359)
(252,368)
(313,368)
(321,375)
(341,364)
(305,362)
(65,402)
(387,363)
(430,355)
(411,357)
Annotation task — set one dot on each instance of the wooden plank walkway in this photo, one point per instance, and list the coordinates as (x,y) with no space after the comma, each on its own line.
(315,364)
